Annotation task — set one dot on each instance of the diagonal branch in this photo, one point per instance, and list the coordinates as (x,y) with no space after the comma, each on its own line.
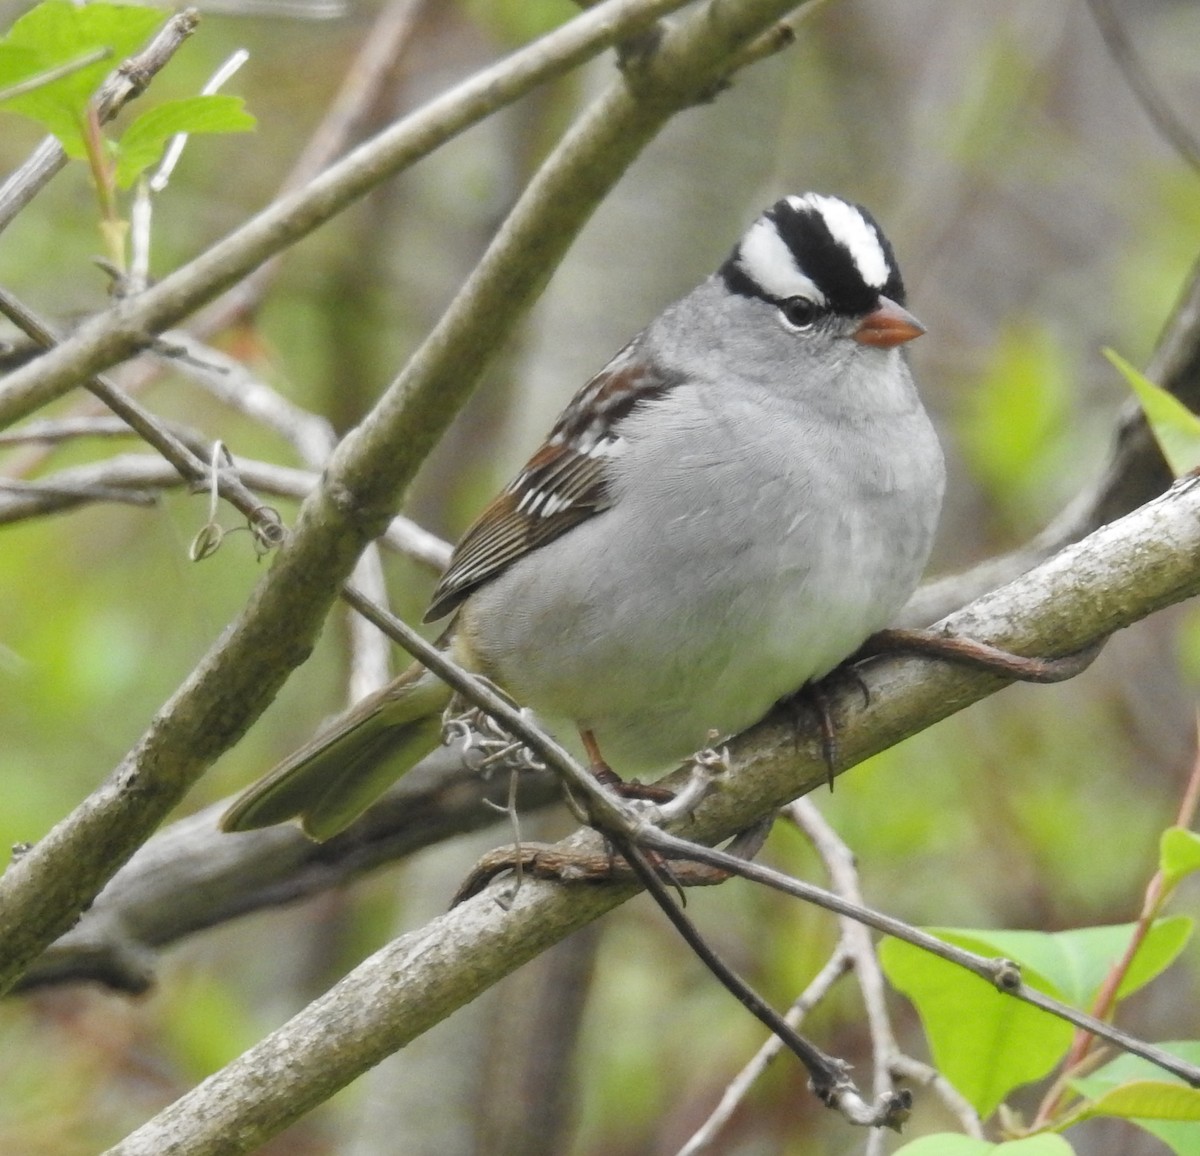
(43,892)
(1120,574)
(125,328)
(1134,474)
(128,81)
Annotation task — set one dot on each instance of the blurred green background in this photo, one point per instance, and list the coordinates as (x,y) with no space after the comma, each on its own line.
(1037,215)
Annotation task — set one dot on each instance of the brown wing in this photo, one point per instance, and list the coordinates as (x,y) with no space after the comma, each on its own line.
(522,518)
(564,483)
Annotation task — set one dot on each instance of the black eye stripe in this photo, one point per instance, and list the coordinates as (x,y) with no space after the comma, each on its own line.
(738,281)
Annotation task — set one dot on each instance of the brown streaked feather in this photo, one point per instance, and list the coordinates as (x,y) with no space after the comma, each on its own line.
(503,533)
(563,484)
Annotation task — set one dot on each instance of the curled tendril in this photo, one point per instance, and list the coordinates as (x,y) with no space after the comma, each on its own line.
(485,743)
(266,526)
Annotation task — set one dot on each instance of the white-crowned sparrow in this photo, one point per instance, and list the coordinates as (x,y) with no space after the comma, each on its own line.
(722,514)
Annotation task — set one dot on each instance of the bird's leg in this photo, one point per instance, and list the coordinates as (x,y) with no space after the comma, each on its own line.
(607,777)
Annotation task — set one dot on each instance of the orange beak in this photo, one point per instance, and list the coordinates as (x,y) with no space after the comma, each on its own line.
(887,325)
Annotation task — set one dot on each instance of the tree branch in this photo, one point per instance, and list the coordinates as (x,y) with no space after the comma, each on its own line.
(1121,573)
(124,329)
(42,893)
(1134,474)
(128,81)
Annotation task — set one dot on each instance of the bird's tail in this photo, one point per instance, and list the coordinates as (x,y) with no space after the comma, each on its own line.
(335,776)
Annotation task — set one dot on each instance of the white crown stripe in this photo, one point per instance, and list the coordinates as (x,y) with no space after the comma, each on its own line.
(848,227)
(768,262)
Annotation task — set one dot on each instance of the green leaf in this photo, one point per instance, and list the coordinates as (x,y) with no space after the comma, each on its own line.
(1076,962)
(1167,1114)
(144,140)
(17,64)
(1149,1100)
(987,1043)
(984,1042)
(953,1144)
(58,32)
(1175,427)
(1179,855)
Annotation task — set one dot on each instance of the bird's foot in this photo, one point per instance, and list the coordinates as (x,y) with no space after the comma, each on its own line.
(980,655)
(817,698)
(564,864)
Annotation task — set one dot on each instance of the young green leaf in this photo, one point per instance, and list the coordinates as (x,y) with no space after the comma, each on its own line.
(984,1042)
(58,32)
(952,1144)
(1179,855)
(1175,427)
(1138,1091)
(987,1043)
(1148,1100)
(144,140)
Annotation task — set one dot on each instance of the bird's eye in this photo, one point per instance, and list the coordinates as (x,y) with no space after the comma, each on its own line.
(799,312)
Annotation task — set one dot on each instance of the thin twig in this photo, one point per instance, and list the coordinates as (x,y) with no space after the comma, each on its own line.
(51,431)
(1140,82)
(1001,973)
(59,493)
(605,807)
(264,521)
(741,1085)
(127,82)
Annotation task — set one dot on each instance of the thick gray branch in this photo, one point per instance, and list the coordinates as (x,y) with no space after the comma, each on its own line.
(124,329)
(42,893)
(1110,580)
